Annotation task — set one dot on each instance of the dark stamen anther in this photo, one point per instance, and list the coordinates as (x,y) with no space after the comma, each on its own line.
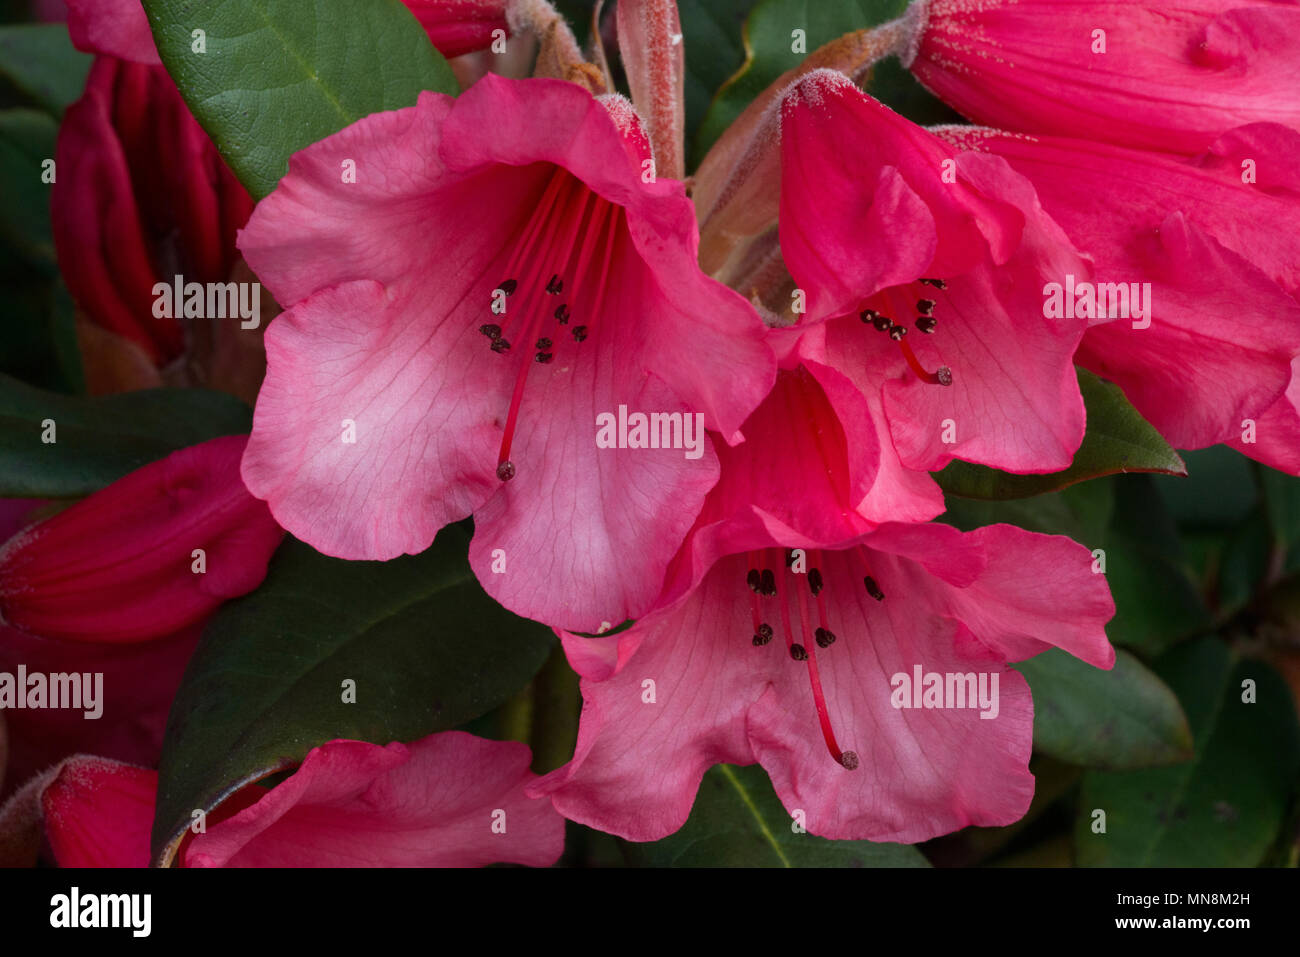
(925,306)
(579,333)
(936,283)
(815,580)
(491,330)
(500,345)
(509,286)
(926,324)
(798,653)
(754,582)
(873,589)
(763,635)
(562,313)
(868,315)
(897,332)
(882,323)
(543,344)
(769,583)
(825,637)
(555,286)
(544,357)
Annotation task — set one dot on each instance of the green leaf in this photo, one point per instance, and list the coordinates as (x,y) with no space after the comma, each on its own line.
(1081,512)
(1118,440)
(279,75)
(738,821)
(1156,599)
(1118,719)
(427,649)
(769,46)
(39,60)
(711,30)
(99,440)
(1224,807)
(26,141)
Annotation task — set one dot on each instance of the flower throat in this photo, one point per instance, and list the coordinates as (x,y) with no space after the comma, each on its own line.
(769,587)
(571,235)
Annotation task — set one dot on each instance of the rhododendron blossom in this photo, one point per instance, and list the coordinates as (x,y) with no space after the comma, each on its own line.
(928,261)
(776,555)
(503,272)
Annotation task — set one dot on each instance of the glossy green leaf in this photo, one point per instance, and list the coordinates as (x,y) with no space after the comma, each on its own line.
(99,440)
(1117,440)
(1082,512)
(278,75)
(738,821)
(426,647)
(39,60)
(1224,807)
(1118,719)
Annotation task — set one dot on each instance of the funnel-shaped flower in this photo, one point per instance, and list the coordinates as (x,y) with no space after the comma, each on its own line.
(929,262)
(1194,280)
(867,674)
(1157,74)
(143,558)
(468,319)
(448,800)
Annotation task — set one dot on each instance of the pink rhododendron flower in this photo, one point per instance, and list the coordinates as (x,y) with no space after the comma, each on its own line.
(793,659)
(885,226)
(150,554)
(1220,329)
(500,274)
(142,196)
(120,28)
(1158,74)
(448,800)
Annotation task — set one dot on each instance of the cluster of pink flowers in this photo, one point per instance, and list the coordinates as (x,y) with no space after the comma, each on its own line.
(845,300)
